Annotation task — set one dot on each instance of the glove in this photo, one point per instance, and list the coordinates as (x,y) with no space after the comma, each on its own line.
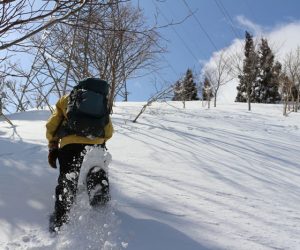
(53,155)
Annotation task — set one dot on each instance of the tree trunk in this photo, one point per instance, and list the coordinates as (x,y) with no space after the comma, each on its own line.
(1,103)
(249,96)
(285,104)
(126,93)
(86,44)
(249,104)
(70,57)
(215,99)
(112,89)
(2,115)
(298,97)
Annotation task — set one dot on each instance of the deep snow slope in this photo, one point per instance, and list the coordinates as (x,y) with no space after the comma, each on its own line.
(190,179)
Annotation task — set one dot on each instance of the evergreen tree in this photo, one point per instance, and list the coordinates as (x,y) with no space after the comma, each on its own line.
(186,89)
(190,92)
(273,92)
(250,71)
(266,87)
(207,90)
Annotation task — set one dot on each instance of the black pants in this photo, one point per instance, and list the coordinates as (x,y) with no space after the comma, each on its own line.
(70,159)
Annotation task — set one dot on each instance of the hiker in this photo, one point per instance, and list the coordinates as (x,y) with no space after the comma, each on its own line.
(80,119)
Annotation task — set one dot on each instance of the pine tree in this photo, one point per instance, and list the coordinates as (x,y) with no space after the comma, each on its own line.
(250,71)
(273,92)
(186,89)
(266,87)
(190,92)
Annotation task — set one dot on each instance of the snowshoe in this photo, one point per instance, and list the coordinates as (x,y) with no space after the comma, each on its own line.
(97,186)
(56,223)
(53,225)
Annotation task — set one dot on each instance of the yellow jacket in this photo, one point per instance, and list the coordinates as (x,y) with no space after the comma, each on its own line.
(55,121)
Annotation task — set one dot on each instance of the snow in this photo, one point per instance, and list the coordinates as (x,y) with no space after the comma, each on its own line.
(94,158)
(193,179)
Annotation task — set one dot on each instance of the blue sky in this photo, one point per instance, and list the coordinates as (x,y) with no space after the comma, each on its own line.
(188,45)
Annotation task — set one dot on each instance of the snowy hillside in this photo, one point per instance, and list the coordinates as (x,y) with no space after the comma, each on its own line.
(182,179)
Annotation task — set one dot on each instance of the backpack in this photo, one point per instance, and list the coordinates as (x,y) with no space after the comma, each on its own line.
(87,111)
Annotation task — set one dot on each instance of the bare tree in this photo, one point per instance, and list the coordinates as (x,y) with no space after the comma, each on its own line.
(159,95)
(219,74)
(110,41)
(127,46)
(286,86)
(17,96)
(22,19)
(28,88)
(292,70)
(2,96)
(207,92)
(19,21)
(71,40)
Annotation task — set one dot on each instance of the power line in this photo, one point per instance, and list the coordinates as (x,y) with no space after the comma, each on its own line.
(170,65)
(178,35)
(201,26)
(227,16)
(186,33)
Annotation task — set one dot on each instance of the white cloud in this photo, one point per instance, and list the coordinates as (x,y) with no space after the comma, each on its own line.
(249,25)
(285,38)
(282,38)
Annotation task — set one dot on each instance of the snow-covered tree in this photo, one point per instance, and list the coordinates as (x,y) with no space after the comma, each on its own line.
(265,88)
(190,92)
(207,90)
(177,91)
(250,71)
(274,94)
(186,89)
